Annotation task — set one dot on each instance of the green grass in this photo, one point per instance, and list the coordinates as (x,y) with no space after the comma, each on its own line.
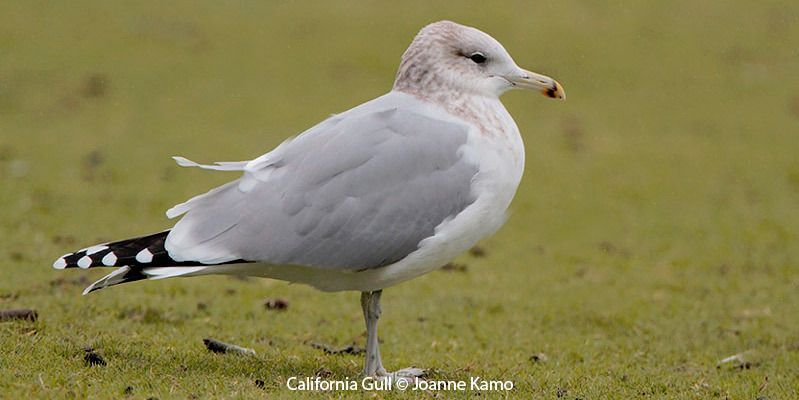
(655,231)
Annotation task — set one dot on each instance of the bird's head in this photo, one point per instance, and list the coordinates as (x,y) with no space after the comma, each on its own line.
(449,56)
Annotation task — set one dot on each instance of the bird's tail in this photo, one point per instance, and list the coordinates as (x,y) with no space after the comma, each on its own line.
(139,258)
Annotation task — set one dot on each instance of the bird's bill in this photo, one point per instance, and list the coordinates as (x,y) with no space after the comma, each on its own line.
(539,83)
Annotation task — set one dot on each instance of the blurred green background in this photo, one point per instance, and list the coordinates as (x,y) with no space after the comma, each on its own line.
(654,233)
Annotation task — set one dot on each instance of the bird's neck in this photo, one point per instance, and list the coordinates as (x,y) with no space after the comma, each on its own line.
(485,112)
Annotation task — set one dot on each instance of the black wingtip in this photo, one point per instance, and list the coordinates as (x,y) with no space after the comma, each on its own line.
(145,250)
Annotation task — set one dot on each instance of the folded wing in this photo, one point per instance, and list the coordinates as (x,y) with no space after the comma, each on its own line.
(353,193)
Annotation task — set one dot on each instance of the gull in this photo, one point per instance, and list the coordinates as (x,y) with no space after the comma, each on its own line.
(374,196)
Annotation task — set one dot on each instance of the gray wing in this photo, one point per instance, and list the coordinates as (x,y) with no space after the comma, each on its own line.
(352,193)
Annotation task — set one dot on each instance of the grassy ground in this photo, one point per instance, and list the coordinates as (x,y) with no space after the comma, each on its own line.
(655,232)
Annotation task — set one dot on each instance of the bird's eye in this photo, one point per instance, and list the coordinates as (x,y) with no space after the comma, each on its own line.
(478,58)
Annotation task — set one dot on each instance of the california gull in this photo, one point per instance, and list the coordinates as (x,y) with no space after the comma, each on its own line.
(377,195)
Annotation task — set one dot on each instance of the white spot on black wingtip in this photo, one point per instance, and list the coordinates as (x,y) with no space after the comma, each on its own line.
(110,259)
(144,256)
(85,262)
(61,263)
(95,249)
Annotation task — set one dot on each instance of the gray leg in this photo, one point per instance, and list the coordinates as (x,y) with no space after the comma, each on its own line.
(370,303)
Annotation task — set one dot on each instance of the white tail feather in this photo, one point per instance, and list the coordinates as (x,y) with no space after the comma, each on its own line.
(108,280)
(171,272)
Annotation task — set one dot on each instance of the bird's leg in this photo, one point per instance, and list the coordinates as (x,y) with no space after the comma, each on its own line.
(370,303)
